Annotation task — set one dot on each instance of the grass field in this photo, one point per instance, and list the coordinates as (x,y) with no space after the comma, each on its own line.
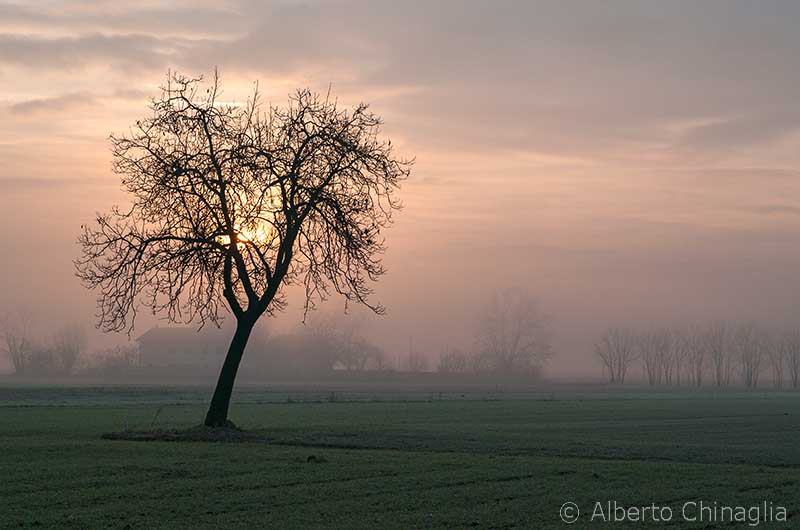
(416,461)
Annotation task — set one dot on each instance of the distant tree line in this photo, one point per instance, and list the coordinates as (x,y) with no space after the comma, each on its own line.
(510,337)
(62,352)
(720,354)
(54,355)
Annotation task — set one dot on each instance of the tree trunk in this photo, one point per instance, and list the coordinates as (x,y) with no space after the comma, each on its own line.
(218,410)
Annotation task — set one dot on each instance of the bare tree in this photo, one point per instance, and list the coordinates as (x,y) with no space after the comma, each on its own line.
(792,345)
(679,355)
(376,357)
(453,361)
(118,361)
(749,346)
(512,333)
(339,339)
(415,361)
(321,338)
(347,345)
(777,349)
(617,351)
(17,343)
(718,344)
(695,348)
(230,204)
(654,348)
(357,353)
(68,345)
(668,355)
(42,360)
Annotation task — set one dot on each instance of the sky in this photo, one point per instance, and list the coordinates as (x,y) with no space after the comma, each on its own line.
(628,162)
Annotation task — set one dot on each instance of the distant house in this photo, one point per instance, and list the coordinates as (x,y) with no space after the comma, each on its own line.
(183,347)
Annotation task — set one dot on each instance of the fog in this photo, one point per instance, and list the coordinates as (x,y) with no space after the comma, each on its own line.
(626,163)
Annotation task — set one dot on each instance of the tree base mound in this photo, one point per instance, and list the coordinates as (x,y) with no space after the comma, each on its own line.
(199,433)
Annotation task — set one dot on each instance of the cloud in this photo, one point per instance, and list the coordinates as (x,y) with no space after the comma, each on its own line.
(605,83)
(129,51)
(74,101)
(122,17)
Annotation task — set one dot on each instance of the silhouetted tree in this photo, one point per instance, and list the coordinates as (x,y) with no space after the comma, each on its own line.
(117,361)
(230,204)
(340,342)
(654,348)
(380,360)
(693,343)
(512,333)
(68,345)
(357,353)
(749,344)
(321,338)
(792,345)
(415,361)
(617,351)
(453,361)
(719,347)
(778,348)
(17,342)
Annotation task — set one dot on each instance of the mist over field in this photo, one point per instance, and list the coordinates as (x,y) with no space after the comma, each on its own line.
(628,165)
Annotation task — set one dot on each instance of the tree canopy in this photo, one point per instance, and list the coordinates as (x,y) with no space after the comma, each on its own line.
(230,204)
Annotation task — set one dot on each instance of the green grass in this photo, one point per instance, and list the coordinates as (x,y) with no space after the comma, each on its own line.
(438,464)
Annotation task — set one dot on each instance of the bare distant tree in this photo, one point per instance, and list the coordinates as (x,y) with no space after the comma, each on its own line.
(617,351)
(512,333)
(719,344)
(669,354)
(777,348)
(654,349)
(646,355)
(694,345)
(415,362)
(792,345)
(340,340)
(17,343)
(320,335)
(453,361)
(348,347)
(749,344)
(679,355)
(376,358)
(230,204)
(117,361)
(69,343)
(360,354)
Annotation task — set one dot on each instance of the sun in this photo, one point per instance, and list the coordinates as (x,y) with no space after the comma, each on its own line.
(255,234)
(259,234)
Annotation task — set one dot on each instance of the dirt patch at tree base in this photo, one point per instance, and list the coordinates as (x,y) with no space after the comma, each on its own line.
(200,433)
